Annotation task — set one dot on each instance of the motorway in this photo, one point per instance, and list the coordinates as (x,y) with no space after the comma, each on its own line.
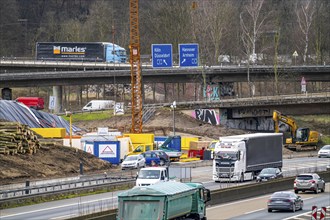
(83,205)
(256,208)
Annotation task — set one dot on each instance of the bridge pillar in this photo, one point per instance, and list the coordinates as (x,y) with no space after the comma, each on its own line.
(57,93)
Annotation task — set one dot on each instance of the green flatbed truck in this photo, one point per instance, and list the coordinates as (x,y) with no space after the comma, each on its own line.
(164,201)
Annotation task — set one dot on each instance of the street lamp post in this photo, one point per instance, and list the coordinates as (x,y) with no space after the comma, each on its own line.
(67,113)
(173,106)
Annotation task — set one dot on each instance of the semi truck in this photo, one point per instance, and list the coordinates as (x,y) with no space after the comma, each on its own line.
(168,200)
(80,51)
(242,157)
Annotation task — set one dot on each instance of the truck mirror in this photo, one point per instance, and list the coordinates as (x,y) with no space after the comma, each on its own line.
(208,195)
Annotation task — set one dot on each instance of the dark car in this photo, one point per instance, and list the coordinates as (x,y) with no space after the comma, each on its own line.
(285,200)
(164,158)
(267,174)
(151,157)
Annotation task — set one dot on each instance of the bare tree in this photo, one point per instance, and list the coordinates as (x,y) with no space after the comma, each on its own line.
(305,11)
(211,21)
(252,22)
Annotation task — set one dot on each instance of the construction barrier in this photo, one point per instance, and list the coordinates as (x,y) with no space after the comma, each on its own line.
(323,213)
(314,213)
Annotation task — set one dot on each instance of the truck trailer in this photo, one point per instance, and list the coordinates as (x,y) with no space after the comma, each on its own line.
(163,201)
(80,51)
(242,157)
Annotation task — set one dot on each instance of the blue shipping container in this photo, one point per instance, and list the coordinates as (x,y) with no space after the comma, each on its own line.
(159,140)
(175,142)
(105,150)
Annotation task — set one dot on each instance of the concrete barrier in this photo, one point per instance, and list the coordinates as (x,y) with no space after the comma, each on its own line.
(251,190)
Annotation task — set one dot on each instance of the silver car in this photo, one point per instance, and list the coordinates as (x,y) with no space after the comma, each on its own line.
(133,161)
(324,151)
(309,182)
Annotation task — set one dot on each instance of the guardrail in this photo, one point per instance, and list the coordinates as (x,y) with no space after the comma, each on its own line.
(60,186)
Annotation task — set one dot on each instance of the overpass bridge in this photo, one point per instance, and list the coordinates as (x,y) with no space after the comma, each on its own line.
(24,73)
(27,73)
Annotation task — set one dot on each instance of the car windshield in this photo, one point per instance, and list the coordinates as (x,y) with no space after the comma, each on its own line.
(149,174)
(281,195)
(131,158)
(326,147)
(268,171)
(304,177)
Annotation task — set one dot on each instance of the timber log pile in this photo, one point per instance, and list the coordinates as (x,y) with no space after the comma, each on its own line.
(16,138)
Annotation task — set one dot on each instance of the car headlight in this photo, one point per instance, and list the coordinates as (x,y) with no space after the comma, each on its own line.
(272,177)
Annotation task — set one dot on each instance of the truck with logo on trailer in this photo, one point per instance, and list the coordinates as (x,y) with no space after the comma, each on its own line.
(80,51)
(242,157)
(167,200)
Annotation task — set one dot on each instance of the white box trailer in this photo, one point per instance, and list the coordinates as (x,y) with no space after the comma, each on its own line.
(242,157)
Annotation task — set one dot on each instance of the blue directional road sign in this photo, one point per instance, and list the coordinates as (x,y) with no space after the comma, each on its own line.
(188,55)
(162,55)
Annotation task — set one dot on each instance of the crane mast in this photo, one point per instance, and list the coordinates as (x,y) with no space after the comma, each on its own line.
(135,61)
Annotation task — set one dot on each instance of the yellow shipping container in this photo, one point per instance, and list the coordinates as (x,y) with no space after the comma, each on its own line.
(141,138)
(185,142)
(50,132)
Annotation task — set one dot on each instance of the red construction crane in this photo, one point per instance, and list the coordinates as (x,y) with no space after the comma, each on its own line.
(135,60)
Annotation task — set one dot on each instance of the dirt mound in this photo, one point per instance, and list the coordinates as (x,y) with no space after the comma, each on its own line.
(48,162)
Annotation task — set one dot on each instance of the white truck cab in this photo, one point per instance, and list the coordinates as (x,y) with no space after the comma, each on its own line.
(152,175)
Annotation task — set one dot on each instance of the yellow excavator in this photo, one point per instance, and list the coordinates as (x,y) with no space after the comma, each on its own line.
(301,138)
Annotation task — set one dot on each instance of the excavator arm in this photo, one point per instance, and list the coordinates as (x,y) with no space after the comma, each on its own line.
(278,117)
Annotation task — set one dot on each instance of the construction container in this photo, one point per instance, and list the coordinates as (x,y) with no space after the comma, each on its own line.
(141,138)
(185,142)
(50,132)
(105,150)
(171,142)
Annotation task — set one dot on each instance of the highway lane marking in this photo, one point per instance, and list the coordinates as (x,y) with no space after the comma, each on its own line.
(240,201)
(246,200)
(56,207)
(65,216)
(253,211)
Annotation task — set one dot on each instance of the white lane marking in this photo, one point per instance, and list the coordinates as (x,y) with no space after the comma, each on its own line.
(232,203)
(65,216)
(56,207)
(253,211)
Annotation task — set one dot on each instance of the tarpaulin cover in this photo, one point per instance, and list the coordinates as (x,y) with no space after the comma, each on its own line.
(18,112)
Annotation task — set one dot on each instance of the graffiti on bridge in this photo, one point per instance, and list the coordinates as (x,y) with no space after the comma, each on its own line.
(207,115)
(255,112)
(212,92)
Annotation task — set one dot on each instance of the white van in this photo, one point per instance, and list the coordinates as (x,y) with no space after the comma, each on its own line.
(99,105)
(152,175)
